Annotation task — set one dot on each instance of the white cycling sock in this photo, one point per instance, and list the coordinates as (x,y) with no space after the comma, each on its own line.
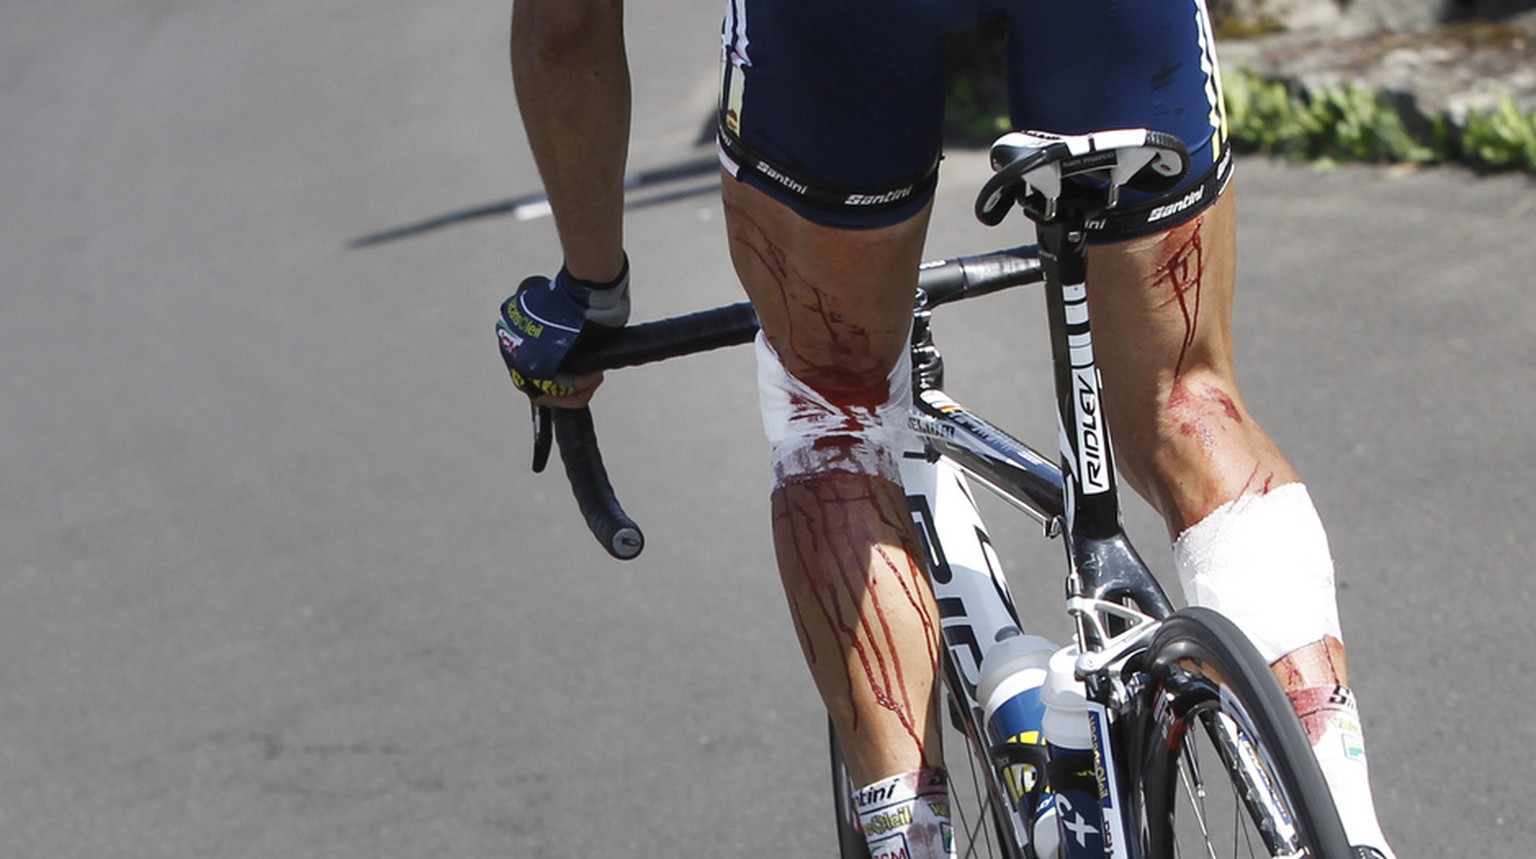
(907,816)
(1333,725)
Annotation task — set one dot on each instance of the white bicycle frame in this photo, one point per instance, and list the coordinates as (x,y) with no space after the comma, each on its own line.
(974,604)
(976,608)
(947,448)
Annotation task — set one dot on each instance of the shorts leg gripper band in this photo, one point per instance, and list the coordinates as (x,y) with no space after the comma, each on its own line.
(1263,561)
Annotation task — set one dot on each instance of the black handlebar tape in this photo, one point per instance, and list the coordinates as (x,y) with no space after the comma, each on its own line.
(969,276)
(674,337)
(735,324)
(628,347)
(577,440)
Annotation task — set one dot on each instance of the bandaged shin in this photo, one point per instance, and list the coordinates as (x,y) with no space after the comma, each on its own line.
(1263,561)
(817,430)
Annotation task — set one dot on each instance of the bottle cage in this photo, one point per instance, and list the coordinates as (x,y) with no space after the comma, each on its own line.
(1033,169)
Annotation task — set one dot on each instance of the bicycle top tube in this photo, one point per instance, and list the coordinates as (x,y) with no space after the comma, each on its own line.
(1018,473)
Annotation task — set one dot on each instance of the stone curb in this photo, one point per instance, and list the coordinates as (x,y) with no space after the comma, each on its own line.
(1448,71)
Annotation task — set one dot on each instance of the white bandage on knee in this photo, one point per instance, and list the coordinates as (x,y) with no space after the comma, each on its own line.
(810,433)
(1263,561)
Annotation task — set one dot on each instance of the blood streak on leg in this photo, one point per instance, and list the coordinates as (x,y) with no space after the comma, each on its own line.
(1253,486)
(848,576)
(806,644)
(845,544)
(1317,664)
(1182,273)
(811,330)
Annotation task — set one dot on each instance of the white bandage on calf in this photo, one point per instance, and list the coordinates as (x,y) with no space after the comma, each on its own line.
(812,432)
(1263,561)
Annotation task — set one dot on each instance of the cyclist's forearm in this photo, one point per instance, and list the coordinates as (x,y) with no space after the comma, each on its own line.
(572,80)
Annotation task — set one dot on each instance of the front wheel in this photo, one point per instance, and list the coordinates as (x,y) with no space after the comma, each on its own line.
(1224,766)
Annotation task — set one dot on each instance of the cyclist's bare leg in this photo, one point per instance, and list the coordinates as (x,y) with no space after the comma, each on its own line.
(1162,313)
(836,306)
(1162,310)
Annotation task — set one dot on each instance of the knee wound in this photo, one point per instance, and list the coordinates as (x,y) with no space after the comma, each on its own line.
(1263,561)
(814,431)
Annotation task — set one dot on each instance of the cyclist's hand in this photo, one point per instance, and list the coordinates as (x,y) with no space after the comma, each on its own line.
(545,321)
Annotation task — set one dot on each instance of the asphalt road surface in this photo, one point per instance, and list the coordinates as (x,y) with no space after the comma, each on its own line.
(275,580)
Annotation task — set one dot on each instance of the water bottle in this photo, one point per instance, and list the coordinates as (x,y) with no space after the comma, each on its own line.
(1009,691)
(1012,673)
(1074,822)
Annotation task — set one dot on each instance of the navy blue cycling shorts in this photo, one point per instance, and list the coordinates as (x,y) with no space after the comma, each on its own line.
(836,107)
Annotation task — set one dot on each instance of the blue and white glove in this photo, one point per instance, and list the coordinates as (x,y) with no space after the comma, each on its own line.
(546,319)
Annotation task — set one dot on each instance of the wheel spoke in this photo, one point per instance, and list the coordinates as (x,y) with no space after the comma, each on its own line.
(1194,788)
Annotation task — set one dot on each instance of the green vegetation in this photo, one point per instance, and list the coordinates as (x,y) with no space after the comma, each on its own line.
(1504,139)
(975,113)
(1344,124)
(1234,27)
(1352,124)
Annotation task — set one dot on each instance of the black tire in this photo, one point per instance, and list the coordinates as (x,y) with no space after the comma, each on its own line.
(1215,714)
(978,813)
